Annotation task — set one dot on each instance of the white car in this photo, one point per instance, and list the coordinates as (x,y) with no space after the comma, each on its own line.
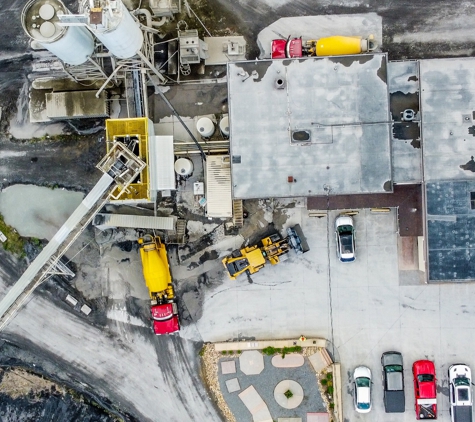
(362,387)
(460,392)
(345,238)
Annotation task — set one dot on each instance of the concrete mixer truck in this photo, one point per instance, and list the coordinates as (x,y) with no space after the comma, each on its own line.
(158,279)
(330,46)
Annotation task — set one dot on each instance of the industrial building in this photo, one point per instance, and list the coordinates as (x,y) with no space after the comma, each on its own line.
(361,125)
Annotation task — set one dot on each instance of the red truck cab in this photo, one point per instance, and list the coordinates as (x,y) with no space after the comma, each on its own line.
(425,389)
(165,319)
(287,49)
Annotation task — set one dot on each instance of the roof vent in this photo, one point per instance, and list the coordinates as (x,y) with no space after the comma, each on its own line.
(301,136)
(280,83)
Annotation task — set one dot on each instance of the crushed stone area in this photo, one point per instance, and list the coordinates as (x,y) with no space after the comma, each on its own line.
(25,396)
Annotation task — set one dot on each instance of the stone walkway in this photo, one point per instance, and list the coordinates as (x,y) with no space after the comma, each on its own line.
(265,383)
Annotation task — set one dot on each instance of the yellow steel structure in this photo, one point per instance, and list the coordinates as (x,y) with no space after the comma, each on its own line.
(155,268)
(141,127)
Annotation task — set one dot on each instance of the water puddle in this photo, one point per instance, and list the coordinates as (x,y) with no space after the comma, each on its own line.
(36,211)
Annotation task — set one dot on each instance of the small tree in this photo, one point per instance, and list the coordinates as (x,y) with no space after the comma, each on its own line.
(288,394)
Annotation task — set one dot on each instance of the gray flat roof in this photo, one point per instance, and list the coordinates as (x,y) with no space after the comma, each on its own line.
(340,102)
(447,105)
(403,84)
(450,234)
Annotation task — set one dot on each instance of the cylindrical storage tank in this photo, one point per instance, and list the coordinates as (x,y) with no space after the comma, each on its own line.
(224,126)
(184,167)
(338,46)
(115,27)
(71,44)
(205,127)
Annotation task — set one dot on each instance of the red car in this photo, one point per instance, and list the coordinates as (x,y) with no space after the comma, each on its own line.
(425,389)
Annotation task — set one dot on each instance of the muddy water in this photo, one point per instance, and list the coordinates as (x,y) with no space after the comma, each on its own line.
(36,211)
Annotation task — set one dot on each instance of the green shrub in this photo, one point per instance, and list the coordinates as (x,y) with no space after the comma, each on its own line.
(239,352)
(269,351)
(288,394)
(324,381)
(332,405)
(202,351)
(329,376)
(330,390)
(224,352)
(14,242)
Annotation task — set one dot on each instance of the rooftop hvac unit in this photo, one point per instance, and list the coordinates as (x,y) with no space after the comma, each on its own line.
(165,8)
(192,49)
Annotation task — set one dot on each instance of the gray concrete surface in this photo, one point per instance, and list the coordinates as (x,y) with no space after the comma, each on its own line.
(361,305)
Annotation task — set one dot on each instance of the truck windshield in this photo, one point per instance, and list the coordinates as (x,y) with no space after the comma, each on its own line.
(362,382)
(461,381)
(393,368)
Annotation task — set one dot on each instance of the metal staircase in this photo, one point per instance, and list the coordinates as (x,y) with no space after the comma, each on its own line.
(238,214)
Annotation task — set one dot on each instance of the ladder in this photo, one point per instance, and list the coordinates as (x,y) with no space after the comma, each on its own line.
(238,218)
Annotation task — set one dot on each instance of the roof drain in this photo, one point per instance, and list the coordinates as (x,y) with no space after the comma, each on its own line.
(279,83)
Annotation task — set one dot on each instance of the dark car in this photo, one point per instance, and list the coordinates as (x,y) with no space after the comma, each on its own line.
(393,382)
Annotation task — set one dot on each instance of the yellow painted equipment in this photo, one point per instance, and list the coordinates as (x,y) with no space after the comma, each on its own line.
(249,259)
(339,45)
(272,248)
(155,268)
(140,128)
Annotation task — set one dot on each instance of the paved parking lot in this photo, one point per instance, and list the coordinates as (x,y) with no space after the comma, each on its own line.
(361,305)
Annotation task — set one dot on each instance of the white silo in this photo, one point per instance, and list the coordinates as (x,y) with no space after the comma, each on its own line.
(224,126)
(71,44)
(114,26)
(184,167)
(205,127)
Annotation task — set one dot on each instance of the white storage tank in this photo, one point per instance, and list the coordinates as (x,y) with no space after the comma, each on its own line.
(205,127)
(71,44)
(184,167)
(224,126)
(114,26)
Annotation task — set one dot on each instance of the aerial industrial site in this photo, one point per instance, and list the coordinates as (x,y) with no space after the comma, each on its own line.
(237,211)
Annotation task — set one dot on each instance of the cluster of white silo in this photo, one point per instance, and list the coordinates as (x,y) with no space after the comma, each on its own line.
(205,126)
(48,23)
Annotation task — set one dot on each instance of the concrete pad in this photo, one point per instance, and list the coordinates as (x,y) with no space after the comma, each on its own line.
(318,417)
(254,403)
(219,49)
(408,258)
(228,367)
(289,361)
(251,362)
(317,362)
(295,388)
(233,385)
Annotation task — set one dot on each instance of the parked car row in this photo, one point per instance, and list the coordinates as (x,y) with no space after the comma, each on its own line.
(425,388)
